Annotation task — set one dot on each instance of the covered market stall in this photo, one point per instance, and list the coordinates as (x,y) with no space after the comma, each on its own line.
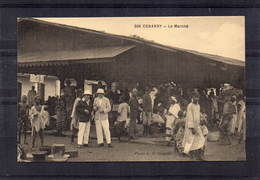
(70,52)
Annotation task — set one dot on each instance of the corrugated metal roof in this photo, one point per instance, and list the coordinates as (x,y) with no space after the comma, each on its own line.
(222,59)
(64,57)
(226,60)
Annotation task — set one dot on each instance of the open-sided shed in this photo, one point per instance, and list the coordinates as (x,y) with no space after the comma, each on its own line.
(71,52)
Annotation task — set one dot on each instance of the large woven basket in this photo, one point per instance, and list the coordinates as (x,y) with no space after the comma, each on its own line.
(213,136)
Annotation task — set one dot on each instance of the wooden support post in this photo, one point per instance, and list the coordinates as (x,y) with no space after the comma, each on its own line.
(80,82)
(62,80)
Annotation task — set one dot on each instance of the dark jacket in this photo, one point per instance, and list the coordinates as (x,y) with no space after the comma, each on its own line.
(147,103)
(134,107)
(80,109)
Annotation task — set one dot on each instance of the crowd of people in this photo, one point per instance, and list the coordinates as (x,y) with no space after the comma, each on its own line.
(183,116)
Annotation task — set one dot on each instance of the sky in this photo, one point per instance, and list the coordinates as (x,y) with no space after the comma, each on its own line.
(220,35)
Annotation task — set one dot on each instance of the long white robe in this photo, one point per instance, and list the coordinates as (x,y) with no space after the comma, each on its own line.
(241,115)
(173,114)
(173,111)
(192,120)
(40,121)
(74,120)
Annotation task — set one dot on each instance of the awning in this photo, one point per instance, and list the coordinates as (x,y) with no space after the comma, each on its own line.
(46,58)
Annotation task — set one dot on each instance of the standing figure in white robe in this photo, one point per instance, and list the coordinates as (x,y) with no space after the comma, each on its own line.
(194,140)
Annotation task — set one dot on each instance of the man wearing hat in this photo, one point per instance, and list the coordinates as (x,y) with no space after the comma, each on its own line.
(172,115)
(102,107)
(84,109)
(134,113)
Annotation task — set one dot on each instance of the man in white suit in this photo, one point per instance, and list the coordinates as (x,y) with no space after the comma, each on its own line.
(101,106)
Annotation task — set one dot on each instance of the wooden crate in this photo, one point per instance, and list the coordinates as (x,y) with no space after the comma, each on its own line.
(72,153)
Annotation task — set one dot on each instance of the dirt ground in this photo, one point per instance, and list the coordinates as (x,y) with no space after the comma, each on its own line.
(143,149)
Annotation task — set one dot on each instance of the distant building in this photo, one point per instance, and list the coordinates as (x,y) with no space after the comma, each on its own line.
(49,87)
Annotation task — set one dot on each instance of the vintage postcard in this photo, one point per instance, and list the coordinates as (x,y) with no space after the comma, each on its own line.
(131,89)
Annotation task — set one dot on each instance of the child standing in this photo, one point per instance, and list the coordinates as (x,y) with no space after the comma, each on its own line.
(204,131)
(180,136)
(23,113)
(123,111)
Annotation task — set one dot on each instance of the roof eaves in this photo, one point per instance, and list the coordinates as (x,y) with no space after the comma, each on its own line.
(142,41)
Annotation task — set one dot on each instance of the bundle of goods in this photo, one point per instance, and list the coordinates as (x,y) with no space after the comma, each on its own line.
(229,90)
(213,136)
(139,129)
(157,119)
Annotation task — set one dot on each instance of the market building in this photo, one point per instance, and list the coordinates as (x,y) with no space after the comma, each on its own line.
(63,51)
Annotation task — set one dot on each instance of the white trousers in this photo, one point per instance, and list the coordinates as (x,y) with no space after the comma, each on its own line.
(169,127)
(104,124)
(233,123)
(83,134)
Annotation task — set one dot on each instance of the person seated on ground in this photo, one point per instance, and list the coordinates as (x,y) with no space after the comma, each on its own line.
(203,114)
(180,136)
(21,154)
(162,112)
(176,124)
(159,109)
(204,131)
(123,111)
(158,121)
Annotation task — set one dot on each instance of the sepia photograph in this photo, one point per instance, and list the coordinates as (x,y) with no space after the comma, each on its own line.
(131,89)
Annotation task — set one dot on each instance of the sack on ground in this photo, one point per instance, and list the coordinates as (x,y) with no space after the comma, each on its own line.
(157,119)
